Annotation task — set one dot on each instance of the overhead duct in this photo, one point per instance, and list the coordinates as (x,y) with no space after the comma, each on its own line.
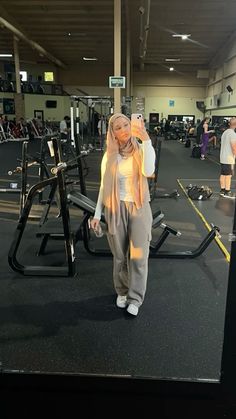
(144,30)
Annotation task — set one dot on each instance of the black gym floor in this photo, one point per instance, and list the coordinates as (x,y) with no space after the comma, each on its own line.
(71,325)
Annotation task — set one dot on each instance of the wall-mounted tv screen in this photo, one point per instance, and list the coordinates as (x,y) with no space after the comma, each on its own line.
(51,103)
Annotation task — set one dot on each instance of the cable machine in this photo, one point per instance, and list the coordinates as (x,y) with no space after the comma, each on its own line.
(104,104)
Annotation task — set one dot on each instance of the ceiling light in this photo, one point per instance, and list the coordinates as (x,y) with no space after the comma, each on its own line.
(172,59)
(76,34)
(5,55)
(90,58)
(183,36)
(171,68)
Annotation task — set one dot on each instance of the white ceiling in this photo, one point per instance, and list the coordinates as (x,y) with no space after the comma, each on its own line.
(47,22)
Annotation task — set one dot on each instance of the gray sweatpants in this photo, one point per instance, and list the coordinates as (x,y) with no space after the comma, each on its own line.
(130,249)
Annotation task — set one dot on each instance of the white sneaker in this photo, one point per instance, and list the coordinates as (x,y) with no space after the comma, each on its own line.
(228,194)
(132,309)
(121,301)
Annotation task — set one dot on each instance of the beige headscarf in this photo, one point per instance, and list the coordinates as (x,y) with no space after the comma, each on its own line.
(111,196)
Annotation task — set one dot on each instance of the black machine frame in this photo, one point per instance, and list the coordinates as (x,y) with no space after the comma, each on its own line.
(57,185)
(88,207)
(153,181)
(55,182)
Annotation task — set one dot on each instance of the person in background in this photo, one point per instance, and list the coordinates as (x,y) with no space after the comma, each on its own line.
(124,194)
(146,124)
(64,134)
(102,129)
(213,139)
(167,126)
(9,83)
(198,131)
(227,158)
(40,88)
(205,137)
(64,129)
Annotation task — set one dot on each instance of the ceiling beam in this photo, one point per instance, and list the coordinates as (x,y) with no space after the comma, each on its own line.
(7,22)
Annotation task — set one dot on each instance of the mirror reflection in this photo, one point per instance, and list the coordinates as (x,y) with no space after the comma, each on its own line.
(117,201)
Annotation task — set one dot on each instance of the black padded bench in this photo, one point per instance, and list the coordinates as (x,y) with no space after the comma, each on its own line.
(89,206)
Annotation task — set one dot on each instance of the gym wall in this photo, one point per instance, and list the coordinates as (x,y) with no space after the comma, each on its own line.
(90,90)
(222,74)
(169,95)
(38,102)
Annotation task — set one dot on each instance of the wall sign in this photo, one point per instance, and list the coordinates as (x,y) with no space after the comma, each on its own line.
(117,81)
(8,106)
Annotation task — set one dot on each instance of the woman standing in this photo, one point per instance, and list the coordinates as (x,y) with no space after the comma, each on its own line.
(125,197)
(205,137)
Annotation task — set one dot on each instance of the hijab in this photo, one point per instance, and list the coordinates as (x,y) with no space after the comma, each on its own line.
(111,195)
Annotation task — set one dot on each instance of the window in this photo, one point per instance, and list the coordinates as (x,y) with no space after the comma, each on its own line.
(24,75)
(48,76)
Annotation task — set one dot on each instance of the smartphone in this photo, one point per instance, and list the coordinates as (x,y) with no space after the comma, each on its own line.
(136,119)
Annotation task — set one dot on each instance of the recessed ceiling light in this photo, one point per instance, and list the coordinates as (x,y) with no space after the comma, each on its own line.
(90,58)
(171,68)
(183,36)
(172,59)
(5,55)
(76,34)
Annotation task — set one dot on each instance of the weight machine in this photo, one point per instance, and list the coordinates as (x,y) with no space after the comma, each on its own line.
(82,232)
(77,124)
(157,142)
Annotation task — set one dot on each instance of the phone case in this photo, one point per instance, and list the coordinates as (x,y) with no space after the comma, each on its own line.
(136,118)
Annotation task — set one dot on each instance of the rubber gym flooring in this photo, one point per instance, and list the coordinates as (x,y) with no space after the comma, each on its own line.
(71,325)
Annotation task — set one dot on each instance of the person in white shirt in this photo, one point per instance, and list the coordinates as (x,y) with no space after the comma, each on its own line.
(64,135)
(124,195)
(64,129)
(227,158)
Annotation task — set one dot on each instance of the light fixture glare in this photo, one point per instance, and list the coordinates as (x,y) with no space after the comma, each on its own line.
(90,58)
(183,36)
(172,59)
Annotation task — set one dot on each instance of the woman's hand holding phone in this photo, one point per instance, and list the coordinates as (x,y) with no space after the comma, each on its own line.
(138,128)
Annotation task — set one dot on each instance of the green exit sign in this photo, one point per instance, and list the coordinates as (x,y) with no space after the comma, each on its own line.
(117,81)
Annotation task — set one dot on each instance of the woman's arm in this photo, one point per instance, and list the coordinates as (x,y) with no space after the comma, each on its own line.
(99,206)
(148,152)
(206,131)
(148,158)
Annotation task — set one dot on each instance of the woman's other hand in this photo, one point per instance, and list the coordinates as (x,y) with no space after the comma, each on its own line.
(139,131)
(95,223)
